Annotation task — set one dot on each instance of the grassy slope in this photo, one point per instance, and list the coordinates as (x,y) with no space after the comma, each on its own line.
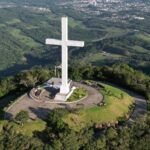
(117,105)
(2,123)
(145,37)
(22,38)
(25,28)
(101,58)
(27,129)
(140,49)
(17,29)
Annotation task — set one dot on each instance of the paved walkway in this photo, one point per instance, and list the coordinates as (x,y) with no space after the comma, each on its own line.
(41,109)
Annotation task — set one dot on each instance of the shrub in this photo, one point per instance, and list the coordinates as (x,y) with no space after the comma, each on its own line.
(22,117)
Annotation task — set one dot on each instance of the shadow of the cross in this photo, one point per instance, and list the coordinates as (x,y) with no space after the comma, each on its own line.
(40,112)
(7,116)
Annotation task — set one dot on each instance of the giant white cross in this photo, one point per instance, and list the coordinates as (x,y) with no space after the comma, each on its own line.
(64,43)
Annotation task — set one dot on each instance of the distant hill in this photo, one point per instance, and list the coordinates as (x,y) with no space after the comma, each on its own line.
(110,38)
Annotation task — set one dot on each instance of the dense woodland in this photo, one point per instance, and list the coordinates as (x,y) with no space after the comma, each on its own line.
(57,135)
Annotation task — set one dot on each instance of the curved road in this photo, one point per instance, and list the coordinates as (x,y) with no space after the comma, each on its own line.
(140,107)
(140,104)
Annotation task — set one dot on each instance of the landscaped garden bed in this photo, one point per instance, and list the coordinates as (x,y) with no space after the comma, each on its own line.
(78,94)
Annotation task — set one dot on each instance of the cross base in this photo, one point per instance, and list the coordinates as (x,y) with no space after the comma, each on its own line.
(64,97)
(65,89)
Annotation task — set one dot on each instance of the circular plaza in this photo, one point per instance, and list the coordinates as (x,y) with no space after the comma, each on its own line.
(40,105)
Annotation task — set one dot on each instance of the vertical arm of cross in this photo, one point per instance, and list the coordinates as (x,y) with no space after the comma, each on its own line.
(64,28)
(64,42)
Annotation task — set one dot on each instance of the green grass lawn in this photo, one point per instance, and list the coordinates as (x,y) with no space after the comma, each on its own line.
(13,21)
(140,49)
(2,123)
(73,23)
(2,25)
(78,94)
(27,129)
(29,27)
(117,105)
(145,37)
(100,58)
(115,31)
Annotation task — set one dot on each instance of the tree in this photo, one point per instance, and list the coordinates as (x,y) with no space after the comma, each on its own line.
(28,80)
(22,117)
(111,133)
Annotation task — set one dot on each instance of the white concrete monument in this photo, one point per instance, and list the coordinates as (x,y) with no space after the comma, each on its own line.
(64,43)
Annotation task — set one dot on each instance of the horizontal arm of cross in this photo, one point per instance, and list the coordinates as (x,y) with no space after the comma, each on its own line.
(53,42)
(75,43)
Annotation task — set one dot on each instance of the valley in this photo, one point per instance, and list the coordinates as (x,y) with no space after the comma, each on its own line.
(111,36)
